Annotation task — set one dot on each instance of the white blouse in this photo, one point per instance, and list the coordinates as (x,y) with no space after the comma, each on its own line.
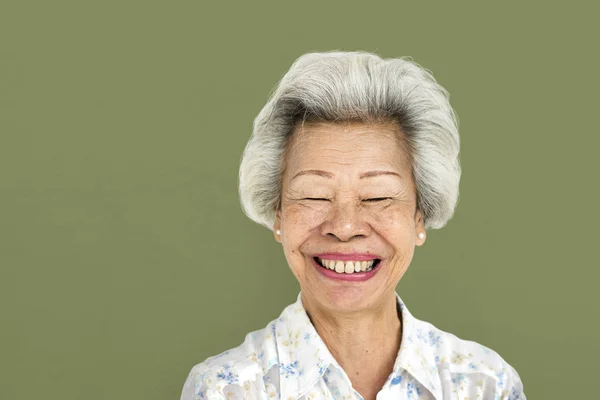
(288,360)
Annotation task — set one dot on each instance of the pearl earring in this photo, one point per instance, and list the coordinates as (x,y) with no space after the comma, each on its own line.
(421,235)
(278,232)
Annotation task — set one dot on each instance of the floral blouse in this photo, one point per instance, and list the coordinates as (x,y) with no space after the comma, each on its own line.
(288,360)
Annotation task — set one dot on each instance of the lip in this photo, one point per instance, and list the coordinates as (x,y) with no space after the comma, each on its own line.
(348,256)
(354,277)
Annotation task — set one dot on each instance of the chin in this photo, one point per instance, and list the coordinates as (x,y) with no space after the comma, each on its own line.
(346,299)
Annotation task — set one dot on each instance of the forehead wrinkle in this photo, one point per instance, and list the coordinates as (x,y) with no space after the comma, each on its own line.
(305,145)
(305,162)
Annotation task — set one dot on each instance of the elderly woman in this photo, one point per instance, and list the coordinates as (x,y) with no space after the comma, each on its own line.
(350,162)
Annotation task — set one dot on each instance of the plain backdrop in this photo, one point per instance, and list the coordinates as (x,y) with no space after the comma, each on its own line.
(125,258)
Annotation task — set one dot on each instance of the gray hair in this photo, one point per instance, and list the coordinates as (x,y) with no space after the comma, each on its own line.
(350,86)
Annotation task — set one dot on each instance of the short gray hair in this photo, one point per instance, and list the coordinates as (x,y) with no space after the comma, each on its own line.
(351,86)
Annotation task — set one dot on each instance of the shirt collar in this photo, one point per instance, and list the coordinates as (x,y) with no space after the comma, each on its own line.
(304,357)
(417,353)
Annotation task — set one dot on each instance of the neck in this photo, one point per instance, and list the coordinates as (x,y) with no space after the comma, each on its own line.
(365,344)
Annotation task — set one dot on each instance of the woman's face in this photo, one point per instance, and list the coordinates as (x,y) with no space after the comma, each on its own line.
(348,198)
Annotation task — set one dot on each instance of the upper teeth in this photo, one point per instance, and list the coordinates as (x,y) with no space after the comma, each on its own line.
(347,267)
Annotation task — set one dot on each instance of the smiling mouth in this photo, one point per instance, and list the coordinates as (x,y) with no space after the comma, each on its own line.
(348,267)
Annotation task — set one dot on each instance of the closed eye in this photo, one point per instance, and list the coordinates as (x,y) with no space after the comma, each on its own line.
(315,198)
(375,199)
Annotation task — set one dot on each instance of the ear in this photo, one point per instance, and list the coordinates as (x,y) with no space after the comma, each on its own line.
(420,228)
(277,226)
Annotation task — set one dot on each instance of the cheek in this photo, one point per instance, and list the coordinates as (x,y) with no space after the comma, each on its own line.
(301,218)
(298,225)
(400,233)
(398,230)
(395,221)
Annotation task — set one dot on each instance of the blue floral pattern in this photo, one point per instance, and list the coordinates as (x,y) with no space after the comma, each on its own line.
(288,360)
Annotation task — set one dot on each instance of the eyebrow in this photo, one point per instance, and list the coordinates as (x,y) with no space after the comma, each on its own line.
(326,174)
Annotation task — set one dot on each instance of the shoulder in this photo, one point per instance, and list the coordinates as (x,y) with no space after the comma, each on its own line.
(239,369)
(467,360)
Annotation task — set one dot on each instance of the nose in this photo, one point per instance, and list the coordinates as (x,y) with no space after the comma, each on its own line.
(345,221)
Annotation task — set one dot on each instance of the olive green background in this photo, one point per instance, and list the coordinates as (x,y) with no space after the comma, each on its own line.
(125,258)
